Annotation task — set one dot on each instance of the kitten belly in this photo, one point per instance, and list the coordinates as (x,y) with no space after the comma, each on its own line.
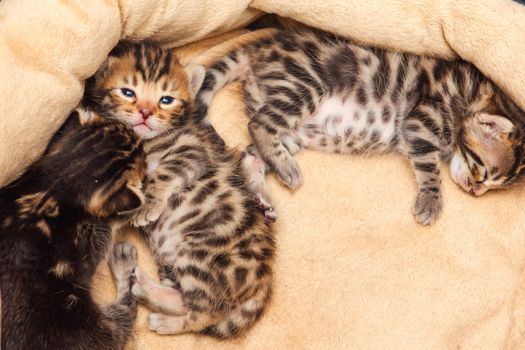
(342,125)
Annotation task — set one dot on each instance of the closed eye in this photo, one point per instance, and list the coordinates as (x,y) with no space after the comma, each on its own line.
(474,157)
(485,177)
(166,100)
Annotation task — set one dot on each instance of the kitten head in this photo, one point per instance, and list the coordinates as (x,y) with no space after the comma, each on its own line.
(147,88)
(489,154)
(95,169)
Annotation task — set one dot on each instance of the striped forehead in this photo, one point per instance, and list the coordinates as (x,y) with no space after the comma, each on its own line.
(152,63)
(135,80)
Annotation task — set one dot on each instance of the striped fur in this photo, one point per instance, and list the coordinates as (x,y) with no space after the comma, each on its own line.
(210,240)
(54,232)
(308,89)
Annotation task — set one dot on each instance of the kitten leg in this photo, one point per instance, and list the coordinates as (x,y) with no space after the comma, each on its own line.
(158,296)
(292,144)
(267,137)
(423,150)
(191,322)
(255,171)
(121,315)
(122,262)
(164,180)
(428,202)
(155,195)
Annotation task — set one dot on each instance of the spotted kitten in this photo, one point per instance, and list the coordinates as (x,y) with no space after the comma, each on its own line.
(308,89)
(55,229)
(209,238)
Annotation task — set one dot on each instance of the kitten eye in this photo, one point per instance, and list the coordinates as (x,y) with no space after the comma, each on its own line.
(127,92)
(166,100)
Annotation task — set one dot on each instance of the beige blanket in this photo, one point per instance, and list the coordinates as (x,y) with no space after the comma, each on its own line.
(354,270)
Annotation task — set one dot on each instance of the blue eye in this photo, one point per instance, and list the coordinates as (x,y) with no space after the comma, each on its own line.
(127,92)
(166,100)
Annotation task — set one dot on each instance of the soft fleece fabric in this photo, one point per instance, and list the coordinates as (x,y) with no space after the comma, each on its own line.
(48,47)
(354,270)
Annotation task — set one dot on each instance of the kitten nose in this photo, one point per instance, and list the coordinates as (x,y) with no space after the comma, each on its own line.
(145,113)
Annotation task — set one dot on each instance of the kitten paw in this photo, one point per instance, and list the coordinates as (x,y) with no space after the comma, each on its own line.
(138,289)
(288,172)
(161,324)
(269,214)
(137,292)
(263,200)
(151,212)
(123,261)
(428,207)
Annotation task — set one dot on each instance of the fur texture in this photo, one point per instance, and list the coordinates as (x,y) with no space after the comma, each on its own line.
(210,240)
(308,89)
(55,227)
(54,80)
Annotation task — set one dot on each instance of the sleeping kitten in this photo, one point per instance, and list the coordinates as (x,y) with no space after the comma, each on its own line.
(55,229)
(308,89)
(208,236)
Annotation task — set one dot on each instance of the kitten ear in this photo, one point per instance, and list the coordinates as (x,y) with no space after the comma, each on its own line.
(494,125)
(86,116)
(196,76)
(105,68)
(124,199)
(117,52)
(121,48)
(72,122)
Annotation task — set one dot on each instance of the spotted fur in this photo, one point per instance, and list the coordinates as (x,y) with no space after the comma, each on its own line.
(55,229)
(308,89)
(209,238)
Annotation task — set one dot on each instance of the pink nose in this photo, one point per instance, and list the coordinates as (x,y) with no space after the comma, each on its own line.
(145,113)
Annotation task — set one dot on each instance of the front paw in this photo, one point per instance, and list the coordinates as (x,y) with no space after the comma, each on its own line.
(162,324)
(264,202)
(428,206)
(288,171)
(123,261)
(139,285)
(267,208)
(151,212)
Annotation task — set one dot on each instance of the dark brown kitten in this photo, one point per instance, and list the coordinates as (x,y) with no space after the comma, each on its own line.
(55,229)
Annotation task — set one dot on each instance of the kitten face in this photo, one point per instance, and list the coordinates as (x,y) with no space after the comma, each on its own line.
(147,88)
(486,156)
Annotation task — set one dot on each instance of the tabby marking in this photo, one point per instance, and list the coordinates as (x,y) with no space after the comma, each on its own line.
(209,238)
(54,233)
(308,89)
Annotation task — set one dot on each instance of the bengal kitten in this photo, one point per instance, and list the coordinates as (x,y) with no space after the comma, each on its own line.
(308,89)
(209,238)
(55,229)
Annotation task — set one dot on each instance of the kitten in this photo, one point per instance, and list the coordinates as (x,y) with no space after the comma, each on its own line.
(209,238)
(55,229)
(308,89)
